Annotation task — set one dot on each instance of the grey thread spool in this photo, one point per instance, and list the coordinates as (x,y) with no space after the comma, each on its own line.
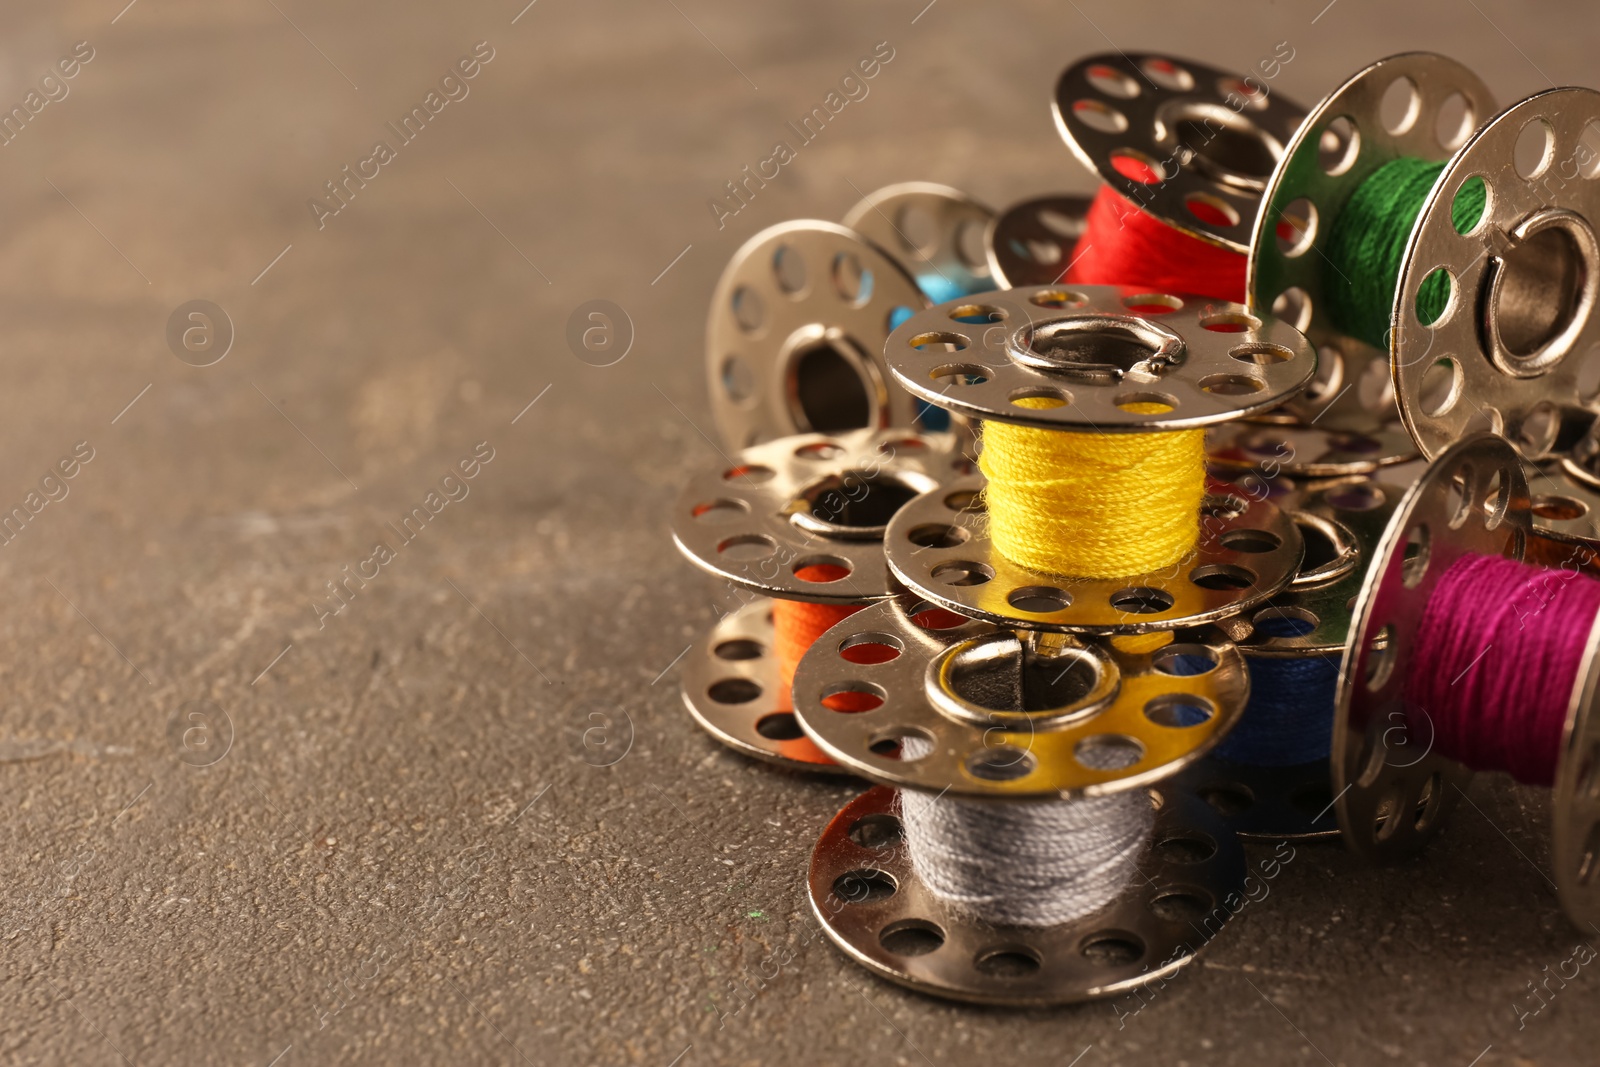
(1027,864)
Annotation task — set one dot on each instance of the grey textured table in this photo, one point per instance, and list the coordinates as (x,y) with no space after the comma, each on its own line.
(241,828)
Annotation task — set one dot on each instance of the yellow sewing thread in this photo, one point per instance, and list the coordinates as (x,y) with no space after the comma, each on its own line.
(1093,505)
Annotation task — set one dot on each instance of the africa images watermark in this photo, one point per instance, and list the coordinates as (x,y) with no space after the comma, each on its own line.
(53,89)
(853,88)
(453,85)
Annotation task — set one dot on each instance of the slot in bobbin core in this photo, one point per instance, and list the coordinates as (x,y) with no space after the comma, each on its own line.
(1188,143)
(1032,243)
(936,230)
(1014,715)
(1508,352)
(870,901)
(1342,143)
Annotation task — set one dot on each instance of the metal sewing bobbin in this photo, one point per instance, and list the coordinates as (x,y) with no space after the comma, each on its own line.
(1433,104)
(1108,358)
(1307,451)
(1394,790)
(801,518)
(1513,350)
(1340,522)
(936,231)
(1031,243)
(1566,511)
(1190,144)
(965,710)
(795,336)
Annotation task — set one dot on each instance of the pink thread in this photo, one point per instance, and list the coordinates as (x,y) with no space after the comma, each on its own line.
(1495,660)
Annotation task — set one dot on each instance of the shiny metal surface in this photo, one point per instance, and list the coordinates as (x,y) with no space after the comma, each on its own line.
(1343,142)
(1266,803)
(1140,704)
(1097,353)
(1190,883)
(730,686)
(1031,243)
(800,350)
(1393,790)
(809,500)
(939,546)
(1508,353)
(1307,451)
(935,231)
(1205,138)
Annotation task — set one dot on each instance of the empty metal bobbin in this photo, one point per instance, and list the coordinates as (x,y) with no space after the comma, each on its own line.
(874,907)
(1341,524)
(794,340)
(804,517)
(1515,348)
(1191,144)
(936,231)
(1417,105)
(1032,243)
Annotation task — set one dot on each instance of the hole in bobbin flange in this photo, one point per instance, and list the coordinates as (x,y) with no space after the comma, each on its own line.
(1112,948)
(865,885)
(1008,961)
(1542,291)
(911,937)
(877,831)
(827,388)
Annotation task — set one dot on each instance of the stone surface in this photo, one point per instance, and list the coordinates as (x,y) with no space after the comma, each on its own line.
(465,820)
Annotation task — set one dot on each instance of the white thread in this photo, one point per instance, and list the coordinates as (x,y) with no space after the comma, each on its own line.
(1027,863)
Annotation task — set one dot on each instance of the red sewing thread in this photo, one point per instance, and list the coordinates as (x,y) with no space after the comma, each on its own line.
(1496,657)
(1123,245)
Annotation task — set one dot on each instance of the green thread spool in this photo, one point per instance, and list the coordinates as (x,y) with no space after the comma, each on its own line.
(1368,241)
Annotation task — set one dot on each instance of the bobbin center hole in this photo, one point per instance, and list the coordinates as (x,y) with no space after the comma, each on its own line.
(1022,682)
(1541,290)
(1220,143)
(827,385)
(1100,348)
(857,504)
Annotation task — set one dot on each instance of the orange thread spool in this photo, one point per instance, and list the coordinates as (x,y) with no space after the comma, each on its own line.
(796,625)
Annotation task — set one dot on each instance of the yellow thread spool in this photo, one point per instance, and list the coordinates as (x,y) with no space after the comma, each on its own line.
(1091,505)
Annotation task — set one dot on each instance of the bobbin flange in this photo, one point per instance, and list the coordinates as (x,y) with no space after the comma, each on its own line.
(1344,520)
(1566,509)
(795,336)
(1392,790)
(1306,451)
(1575,802)
(1008,715)
(813,502)
(1506,353)
(1341,144)
(939,546)
(937,232)
(1032,243)
(1188,143)
(873,905)
(730,686)
(1104,358)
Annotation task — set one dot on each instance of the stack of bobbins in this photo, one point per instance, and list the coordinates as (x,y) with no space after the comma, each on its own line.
(1048,858)
(1338,197)
(1184,151)
(796,526)
(1463,659)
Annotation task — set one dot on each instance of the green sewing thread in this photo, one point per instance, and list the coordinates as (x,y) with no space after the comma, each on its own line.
(1369,238)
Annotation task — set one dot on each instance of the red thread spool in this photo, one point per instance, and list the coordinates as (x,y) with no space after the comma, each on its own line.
(1123,245)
